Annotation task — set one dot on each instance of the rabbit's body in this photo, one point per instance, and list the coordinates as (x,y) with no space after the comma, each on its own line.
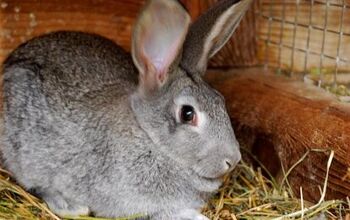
(75,122)
(88,130)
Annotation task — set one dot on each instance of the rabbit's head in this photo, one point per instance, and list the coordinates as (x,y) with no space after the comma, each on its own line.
(184,117)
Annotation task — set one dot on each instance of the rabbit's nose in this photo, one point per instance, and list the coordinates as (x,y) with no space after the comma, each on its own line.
(228,164)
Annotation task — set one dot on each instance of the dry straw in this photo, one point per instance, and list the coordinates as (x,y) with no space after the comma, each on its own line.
(245,194)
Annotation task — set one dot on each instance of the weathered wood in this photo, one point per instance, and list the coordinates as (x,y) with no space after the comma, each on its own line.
(21,20)
(290,117)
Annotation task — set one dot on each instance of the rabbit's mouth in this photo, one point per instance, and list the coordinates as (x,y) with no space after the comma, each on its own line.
(209,176)
(205,184)
(212,179)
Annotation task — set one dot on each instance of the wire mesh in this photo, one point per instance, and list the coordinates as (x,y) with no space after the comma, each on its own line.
(306,39)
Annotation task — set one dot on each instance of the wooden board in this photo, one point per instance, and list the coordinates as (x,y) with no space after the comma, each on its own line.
(287,118)
(21,20)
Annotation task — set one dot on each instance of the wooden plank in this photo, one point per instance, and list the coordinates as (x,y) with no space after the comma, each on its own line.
(22,20)
(275,112)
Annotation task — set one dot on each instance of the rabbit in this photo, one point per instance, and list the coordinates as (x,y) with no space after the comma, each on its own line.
(92,129)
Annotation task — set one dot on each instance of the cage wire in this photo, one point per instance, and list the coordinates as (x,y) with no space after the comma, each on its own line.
(307,39)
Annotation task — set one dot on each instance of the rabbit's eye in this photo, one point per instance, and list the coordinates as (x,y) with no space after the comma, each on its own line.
(188,114)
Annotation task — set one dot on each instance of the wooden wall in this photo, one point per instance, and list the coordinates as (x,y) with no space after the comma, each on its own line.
(21,20)
(258,39)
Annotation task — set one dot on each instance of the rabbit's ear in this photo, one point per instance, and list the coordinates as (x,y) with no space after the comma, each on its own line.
(157,41)
(210,32)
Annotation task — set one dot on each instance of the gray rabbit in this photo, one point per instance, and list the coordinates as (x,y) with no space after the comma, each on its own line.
(89,128)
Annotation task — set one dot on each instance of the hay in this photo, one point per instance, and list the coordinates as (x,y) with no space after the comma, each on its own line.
(245,194)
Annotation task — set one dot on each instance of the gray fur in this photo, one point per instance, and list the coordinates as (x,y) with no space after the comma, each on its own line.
(80,135)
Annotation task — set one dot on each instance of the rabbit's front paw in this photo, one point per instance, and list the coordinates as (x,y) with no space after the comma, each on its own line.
(72,211)
(64,207)
(191,214)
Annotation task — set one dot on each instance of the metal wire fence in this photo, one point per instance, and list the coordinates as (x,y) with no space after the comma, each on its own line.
(309,39)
